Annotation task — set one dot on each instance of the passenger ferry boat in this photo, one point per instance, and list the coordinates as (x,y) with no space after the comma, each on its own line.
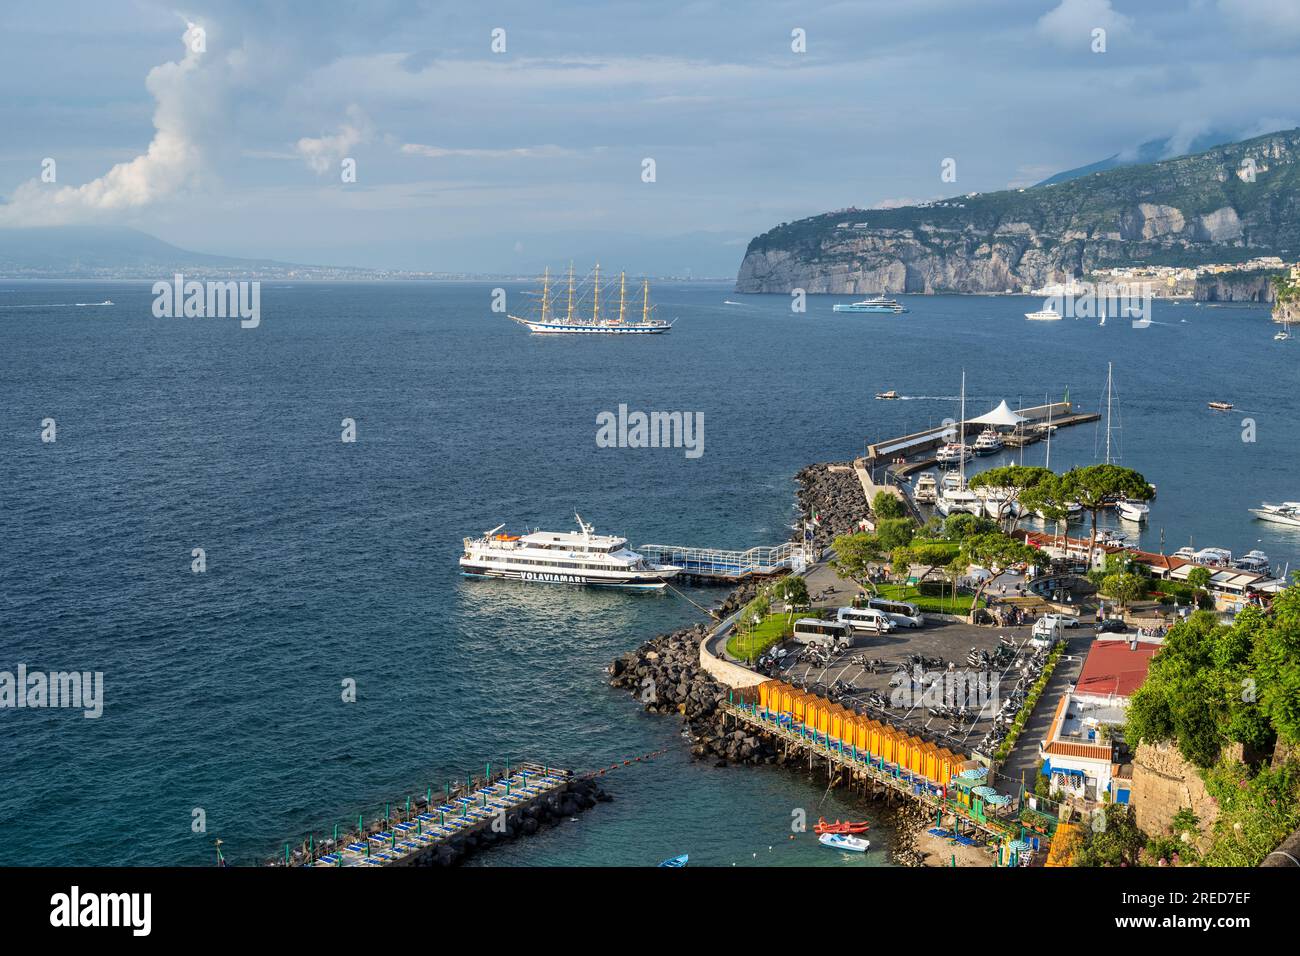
(1043,315)
(877,304)
(570,320)
(547,557)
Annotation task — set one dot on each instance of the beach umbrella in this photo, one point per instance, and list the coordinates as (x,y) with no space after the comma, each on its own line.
(983,791)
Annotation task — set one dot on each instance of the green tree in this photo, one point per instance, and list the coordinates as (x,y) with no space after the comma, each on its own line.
(994,548)
(895,533)
(1199,578)
(792,590)
(1097,487)
(1124,587)
(1011,481)
(855,557)
(1201,691)
(886,505)
(957,527)
(1113,840)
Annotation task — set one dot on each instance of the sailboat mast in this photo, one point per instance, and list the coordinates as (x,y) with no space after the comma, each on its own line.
(546,290)
(570,313)
(1108,377)
(961,454)
(622,287)
(595,301)
(645,304)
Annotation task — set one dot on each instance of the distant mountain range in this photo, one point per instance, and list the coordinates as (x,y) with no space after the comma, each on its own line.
(117,252)
(1228,203)
(108,252)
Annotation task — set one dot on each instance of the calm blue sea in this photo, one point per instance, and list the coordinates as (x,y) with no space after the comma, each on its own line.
(328,561)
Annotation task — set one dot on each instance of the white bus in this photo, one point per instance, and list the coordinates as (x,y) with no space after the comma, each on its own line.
(812,630)
(865,619)
(902,613)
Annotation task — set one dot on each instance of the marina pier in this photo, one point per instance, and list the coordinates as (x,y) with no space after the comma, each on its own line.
(729,567)
(908,453)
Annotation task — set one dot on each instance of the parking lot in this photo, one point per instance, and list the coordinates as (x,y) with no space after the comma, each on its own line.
(950,682)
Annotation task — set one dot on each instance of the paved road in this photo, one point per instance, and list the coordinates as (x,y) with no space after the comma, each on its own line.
(1024,759)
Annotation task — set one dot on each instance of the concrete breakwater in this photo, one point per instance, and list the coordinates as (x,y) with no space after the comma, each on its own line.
(834,494)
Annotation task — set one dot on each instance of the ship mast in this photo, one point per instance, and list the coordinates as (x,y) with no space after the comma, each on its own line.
(1108,392)
(595,301)
(569,317)
(546,286)
(622,285)
(961,452)
(645,305)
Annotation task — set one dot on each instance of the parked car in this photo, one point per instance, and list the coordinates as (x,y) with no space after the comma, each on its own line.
(1112,625)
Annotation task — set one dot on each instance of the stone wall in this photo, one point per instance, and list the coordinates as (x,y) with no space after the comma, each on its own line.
(1163,784)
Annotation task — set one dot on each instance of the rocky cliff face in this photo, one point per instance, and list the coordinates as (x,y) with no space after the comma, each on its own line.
(1230,203)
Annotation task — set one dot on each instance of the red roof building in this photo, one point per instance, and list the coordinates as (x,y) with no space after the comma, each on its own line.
(1114,669)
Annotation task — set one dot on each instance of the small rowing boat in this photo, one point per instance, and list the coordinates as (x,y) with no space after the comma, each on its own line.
(677,862)
(839,827)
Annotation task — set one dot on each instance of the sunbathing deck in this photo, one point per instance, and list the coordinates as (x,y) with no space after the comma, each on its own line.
(399,841)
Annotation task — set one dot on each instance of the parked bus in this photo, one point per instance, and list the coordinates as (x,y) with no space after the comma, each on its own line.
(812,630)
(902,613)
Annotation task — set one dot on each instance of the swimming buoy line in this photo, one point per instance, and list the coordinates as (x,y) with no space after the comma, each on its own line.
(626,763)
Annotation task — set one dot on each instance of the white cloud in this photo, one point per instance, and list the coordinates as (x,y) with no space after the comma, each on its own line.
(325,153)
(172,160)
(1271,22)
(1071,24)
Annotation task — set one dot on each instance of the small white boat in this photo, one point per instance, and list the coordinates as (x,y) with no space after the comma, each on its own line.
(1282,336)
(926,489)
(953,453)
(844,841)
(1221,406)
(1132,510)
(887,396)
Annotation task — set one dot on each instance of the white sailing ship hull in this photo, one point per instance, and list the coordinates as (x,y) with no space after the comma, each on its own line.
(577,328)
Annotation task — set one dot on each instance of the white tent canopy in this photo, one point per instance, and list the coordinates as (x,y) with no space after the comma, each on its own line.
(1000,417)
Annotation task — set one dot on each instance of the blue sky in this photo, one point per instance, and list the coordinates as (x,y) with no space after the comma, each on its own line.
(468,159)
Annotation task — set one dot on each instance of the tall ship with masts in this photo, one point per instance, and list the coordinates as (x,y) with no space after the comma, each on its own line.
(562,310)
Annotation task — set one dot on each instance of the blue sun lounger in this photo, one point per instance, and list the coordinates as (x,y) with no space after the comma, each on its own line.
(357,847)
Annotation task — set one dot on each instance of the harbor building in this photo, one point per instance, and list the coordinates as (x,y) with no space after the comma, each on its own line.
(1082,749)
